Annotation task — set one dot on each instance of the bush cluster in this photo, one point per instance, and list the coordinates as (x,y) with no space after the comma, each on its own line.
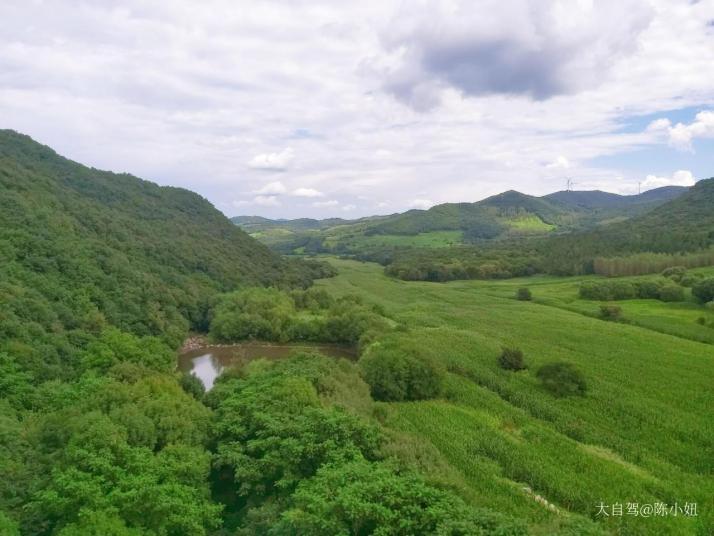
(307,468)
(524,294)
(703,290)
(512,359)
(396,374)
(562,379)
(309,315)
(613,290)
(610,311)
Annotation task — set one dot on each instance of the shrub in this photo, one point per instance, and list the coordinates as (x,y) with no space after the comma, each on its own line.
(689,280)
(524,294)
(609,311)
(649,289)
(675,273)
(562,379)
(702,321)
(192,385)
(512,359)
(671,292)
(608,290)
(703,290)
(394,374)
(710,305)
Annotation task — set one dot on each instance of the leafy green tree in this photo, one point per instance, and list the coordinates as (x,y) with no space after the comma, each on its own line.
(272,431)
(360,497)
(254,313)
(671,293)
(8,527)
(114,347)
(396,374)
(703,290)
(99,523)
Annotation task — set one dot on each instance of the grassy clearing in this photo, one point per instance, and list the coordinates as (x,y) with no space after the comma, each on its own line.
(644,433)
(433,239)
(529,223)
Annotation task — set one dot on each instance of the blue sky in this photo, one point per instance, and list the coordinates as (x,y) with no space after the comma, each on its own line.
(322,109)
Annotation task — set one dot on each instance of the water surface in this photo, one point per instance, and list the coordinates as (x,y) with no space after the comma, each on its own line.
(207,363)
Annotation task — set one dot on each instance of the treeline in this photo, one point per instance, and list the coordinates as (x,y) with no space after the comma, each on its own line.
(650,263)
(312,315)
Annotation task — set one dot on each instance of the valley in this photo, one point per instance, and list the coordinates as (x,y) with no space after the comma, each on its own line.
(500,386)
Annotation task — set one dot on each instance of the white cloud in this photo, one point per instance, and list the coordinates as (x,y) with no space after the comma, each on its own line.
(324,204)
(273,161)
(422,203)
(196,89)
(682,177)
(267,201)
(559,163)
(659,125)
(307,192)
(680,136)
(272,188)
(349,208)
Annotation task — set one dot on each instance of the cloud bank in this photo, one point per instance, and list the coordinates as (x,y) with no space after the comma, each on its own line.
(319,108)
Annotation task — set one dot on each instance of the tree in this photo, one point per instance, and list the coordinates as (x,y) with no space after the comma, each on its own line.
(562,379)
(395,374)
(671,292)
(512,359)
(524,294)
(703,290)
(362,497)
(254,313)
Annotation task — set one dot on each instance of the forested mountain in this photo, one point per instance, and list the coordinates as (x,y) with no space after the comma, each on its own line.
(81,249)
(507,215)
(682,225)
(593,199)
(679,231)
(257,223)
(101,277)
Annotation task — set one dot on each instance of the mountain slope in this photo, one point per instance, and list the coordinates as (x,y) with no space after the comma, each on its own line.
(82,249)
(684,224)
(596,199)
(507,215)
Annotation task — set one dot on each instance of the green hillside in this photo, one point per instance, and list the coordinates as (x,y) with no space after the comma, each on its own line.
(682,225)
(641,434)
(81,249)
(501,217)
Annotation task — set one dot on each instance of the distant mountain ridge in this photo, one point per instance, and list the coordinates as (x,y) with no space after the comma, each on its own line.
(504,215)
(599,199)
(683,224)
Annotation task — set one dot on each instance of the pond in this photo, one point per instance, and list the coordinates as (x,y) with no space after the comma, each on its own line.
(208,362)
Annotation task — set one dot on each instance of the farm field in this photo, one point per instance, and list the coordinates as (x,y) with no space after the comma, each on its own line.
(642,434)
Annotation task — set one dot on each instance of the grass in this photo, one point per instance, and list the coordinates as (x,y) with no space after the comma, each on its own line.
(433,239)
(529,223)
(642,434)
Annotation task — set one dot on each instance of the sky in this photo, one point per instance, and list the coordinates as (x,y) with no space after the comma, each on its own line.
(344,109)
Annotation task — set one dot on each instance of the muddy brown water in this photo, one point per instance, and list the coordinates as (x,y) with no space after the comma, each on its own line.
(207,363)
